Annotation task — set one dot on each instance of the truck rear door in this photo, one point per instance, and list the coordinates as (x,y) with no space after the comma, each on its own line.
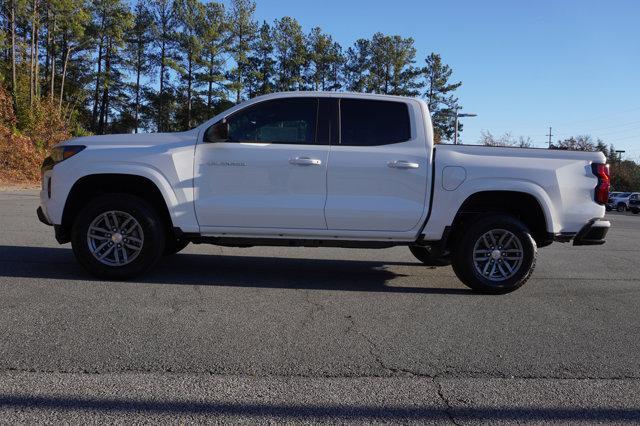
(378,171)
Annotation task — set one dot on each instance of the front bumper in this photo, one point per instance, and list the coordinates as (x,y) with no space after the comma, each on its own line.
(593,233)
(62,236)
(42,217)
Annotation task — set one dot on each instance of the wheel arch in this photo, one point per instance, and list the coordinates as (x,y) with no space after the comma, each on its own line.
(91,186)
(523,205)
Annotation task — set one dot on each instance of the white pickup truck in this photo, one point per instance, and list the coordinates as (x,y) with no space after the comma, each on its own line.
(322,170)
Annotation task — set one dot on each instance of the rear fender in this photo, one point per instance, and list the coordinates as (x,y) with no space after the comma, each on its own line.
(446,204)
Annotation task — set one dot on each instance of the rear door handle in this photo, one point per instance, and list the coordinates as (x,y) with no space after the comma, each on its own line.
(305,161)
(401,164)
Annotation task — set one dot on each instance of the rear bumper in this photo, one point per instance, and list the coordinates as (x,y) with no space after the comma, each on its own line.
(593,233)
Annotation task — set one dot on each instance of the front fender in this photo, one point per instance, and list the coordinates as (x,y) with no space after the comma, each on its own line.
(177,193)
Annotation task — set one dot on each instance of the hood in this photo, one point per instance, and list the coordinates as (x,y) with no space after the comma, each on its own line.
(135,139)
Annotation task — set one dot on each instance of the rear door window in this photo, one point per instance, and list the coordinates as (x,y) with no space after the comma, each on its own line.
(372,123)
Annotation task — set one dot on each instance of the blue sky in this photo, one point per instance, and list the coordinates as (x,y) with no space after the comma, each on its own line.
(525,65)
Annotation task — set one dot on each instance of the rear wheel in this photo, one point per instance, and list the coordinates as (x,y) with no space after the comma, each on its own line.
(117,236)
(496,255)
(621,207)
(635,210)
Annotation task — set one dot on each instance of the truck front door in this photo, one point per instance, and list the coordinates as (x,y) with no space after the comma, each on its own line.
(267,170)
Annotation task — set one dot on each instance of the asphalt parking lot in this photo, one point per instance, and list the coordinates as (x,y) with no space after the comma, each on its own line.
(266,334)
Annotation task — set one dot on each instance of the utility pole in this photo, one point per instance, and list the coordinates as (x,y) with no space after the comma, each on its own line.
(457,114)
(550,134)
(620,152)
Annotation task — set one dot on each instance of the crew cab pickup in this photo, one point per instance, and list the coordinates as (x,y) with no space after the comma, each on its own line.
(321,169)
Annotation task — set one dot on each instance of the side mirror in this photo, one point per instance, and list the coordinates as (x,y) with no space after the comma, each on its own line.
(219,132)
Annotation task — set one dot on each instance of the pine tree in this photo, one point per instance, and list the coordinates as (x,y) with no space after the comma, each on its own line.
(214,38)
(442,103)
(602,147)
(190,16)
(336,64)
(391,66)
(356,69)
(325,58)
(138,58)
(164,37)
(115,21)
(242,31)
(261,63)
(291,53)
(74,19)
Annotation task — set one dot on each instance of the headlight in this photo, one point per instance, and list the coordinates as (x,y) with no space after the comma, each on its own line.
(61,153)
(58,154)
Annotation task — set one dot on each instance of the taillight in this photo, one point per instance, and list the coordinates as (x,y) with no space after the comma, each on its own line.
(601,171)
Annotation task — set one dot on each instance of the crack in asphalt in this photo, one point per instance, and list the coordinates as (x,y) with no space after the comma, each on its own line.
(375,353)
(310,314)
(445,400)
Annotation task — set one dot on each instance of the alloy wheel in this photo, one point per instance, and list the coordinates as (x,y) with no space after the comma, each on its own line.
(115,238)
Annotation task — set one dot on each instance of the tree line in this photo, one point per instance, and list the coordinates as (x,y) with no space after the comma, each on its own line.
(108,66)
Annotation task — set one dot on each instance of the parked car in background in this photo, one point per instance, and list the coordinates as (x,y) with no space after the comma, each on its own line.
(620,201)
(612,195)
(634,203)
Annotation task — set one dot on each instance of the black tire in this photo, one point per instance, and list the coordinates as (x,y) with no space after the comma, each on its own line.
(470,274)
(428,257)
(173,246)
(608,207)
(635,210)
(621,207)
(151,224)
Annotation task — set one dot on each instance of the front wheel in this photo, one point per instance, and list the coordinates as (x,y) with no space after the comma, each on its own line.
(635,210)
(117,236)
(495,255)
(621,207)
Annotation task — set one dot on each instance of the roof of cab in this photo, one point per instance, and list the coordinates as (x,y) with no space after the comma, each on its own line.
(329,94)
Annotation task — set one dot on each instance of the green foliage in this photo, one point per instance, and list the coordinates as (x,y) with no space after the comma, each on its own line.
(576,143)
(291,54)
(118,66)
(439,96)
(213,42)
(242,31)
(625,176)
(324,60)
(391,69)
(138,59)
(262,66)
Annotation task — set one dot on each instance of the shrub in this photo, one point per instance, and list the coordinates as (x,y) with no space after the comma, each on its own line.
(22,153)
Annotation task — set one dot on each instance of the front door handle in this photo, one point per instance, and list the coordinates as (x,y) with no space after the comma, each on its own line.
(401,164)
(305,161)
